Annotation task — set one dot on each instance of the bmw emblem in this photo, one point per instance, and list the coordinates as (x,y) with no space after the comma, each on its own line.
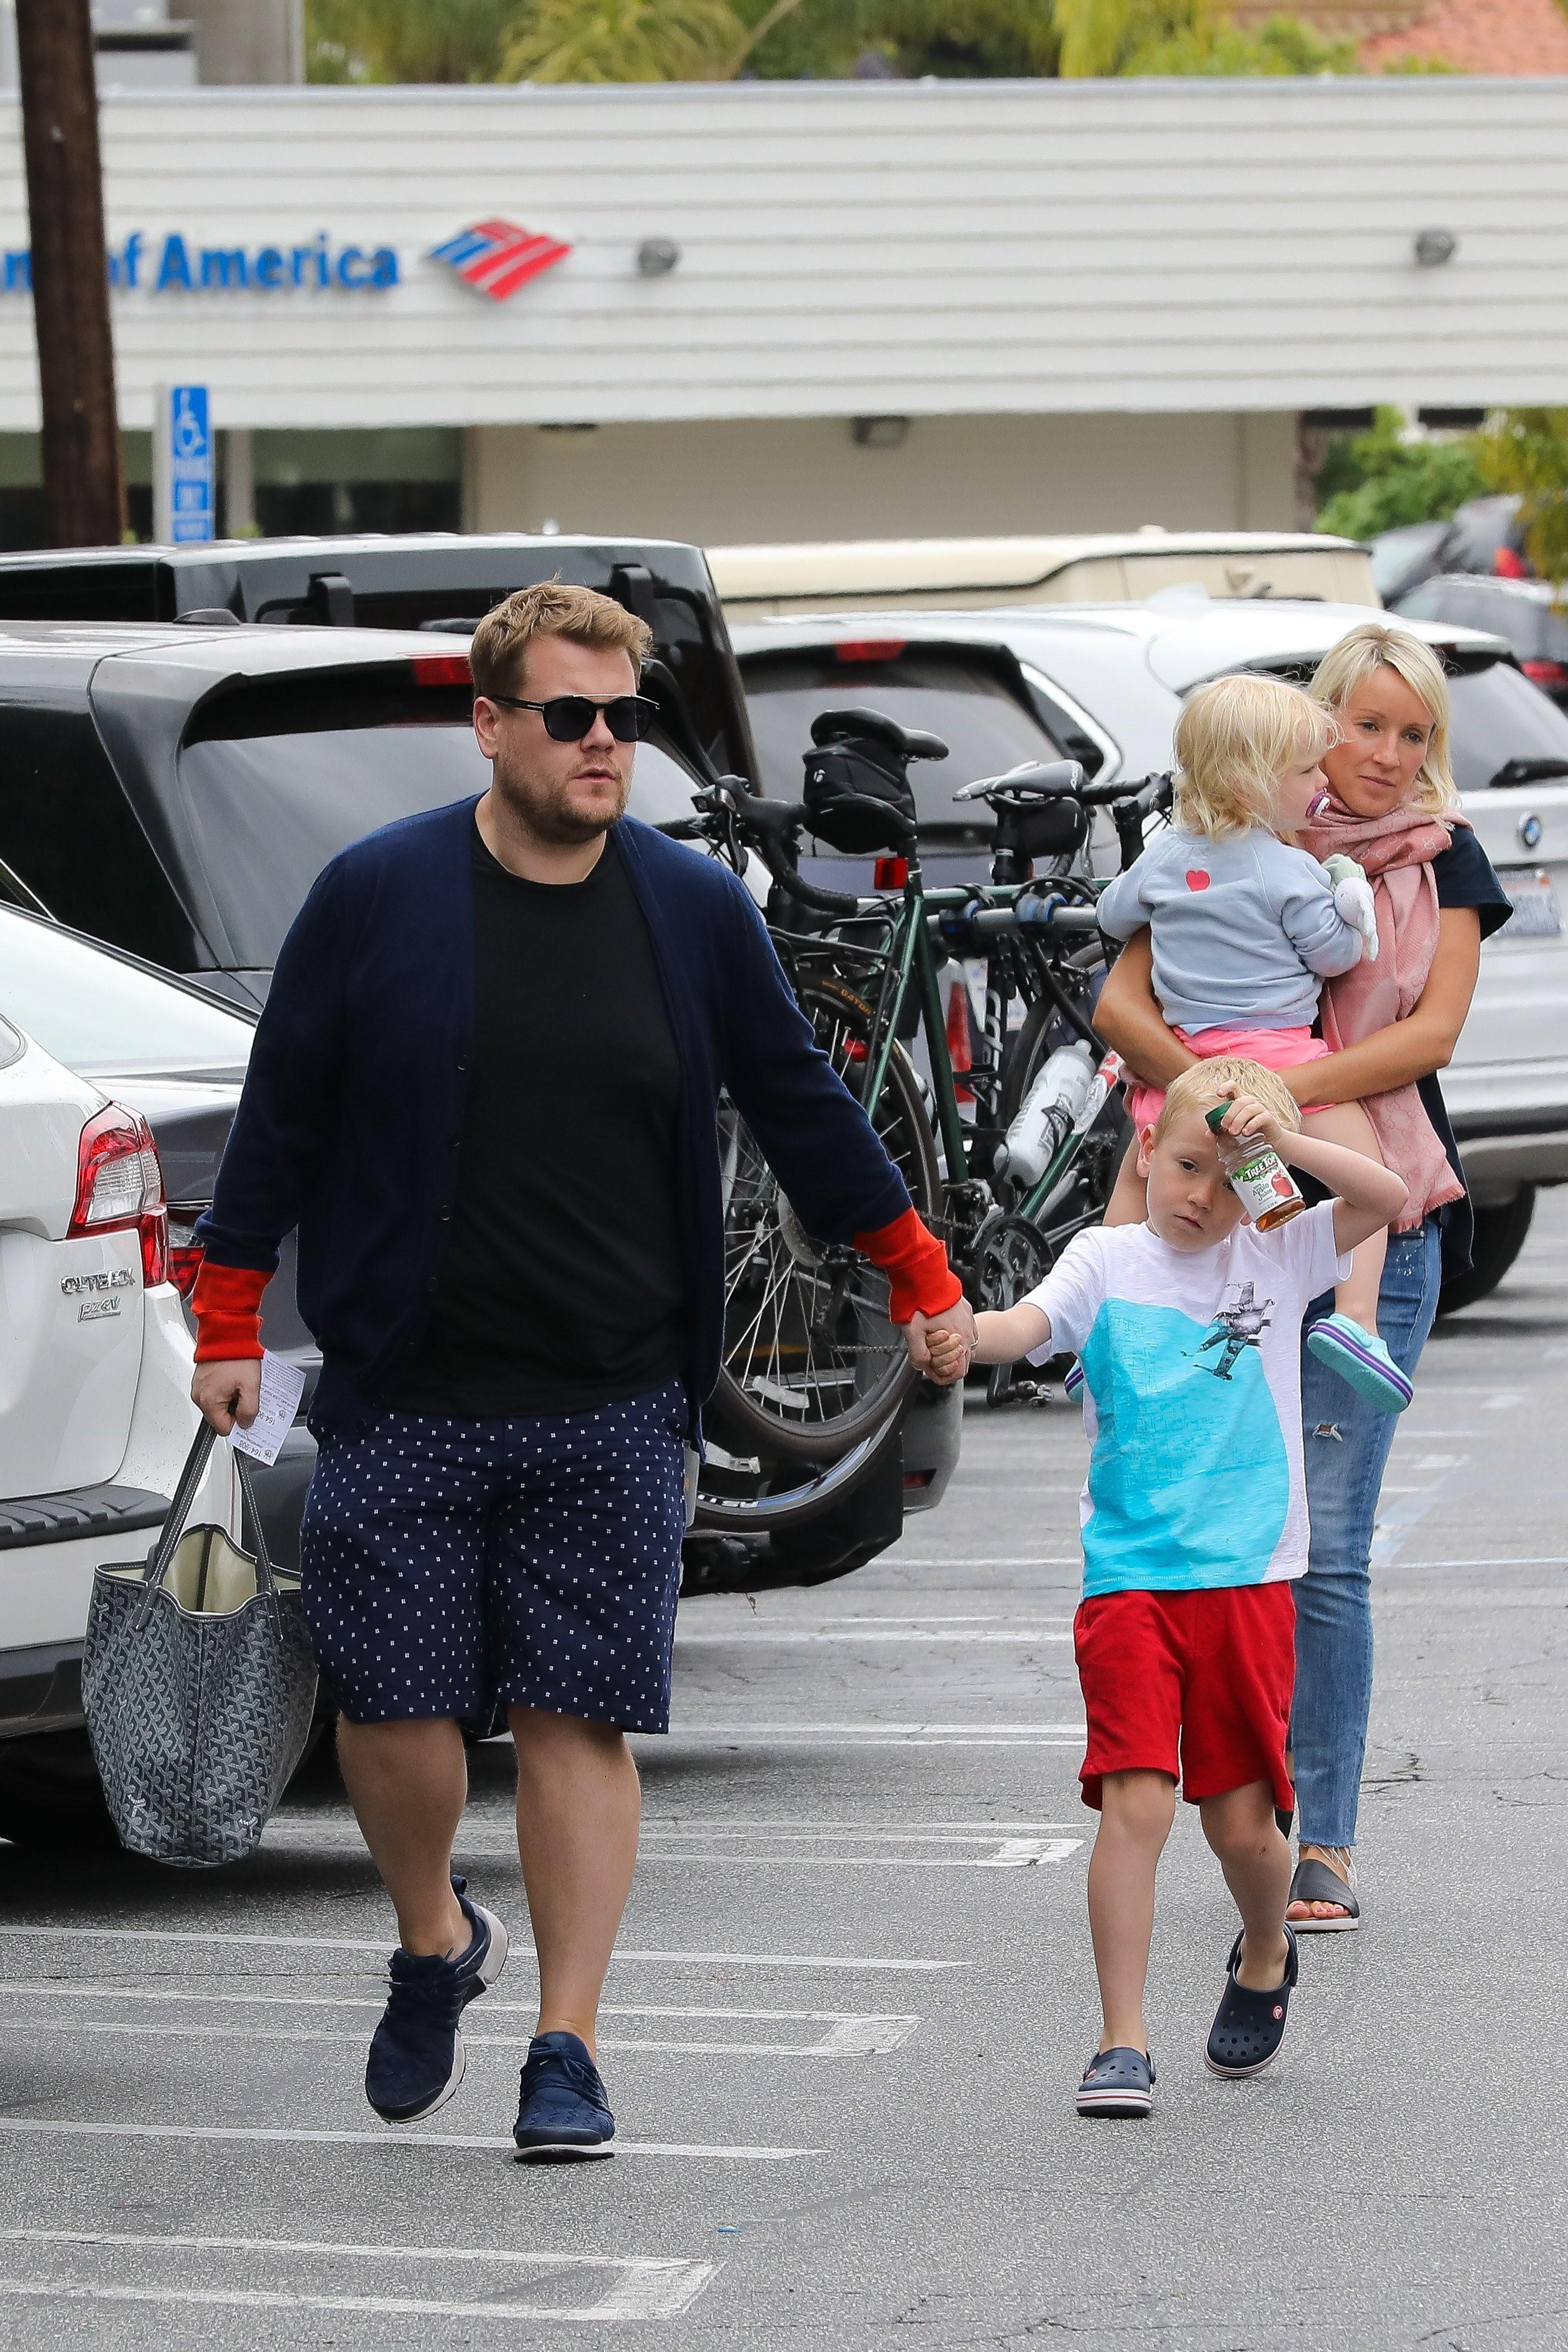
(1530,830)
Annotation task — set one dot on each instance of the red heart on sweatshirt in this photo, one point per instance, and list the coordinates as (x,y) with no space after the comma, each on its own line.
(1197,879)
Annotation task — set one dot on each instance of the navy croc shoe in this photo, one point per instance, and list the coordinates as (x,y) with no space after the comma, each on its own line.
(1248,2027)
(1117,2081)
(417,2057)
(563,2116)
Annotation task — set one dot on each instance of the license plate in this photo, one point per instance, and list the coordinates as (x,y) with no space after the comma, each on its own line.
(1536,912)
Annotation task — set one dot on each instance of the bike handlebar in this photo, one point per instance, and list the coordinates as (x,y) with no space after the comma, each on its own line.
(767,833)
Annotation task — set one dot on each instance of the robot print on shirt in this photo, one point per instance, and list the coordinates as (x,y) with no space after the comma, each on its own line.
(1237,1328)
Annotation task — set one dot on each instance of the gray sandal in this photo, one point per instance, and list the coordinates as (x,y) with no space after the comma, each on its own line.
(1314,1882)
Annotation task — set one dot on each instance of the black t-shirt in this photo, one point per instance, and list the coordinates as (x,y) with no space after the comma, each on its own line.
(561,1287)
(1465,877)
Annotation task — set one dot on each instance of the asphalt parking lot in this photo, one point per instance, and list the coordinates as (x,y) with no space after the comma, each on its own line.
(854,1994)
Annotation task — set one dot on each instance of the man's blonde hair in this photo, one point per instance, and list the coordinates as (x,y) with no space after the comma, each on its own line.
(1358,657)
(1235,739)
(552,608)
(1207,1083)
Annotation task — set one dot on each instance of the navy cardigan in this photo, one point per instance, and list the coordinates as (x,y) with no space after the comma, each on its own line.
(352,1116)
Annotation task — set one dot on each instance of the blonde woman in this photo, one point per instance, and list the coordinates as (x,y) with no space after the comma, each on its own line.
(1393,801)
(1245,925)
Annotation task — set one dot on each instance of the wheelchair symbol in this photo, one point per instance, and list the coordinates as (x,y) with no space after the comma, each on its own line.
(188,432)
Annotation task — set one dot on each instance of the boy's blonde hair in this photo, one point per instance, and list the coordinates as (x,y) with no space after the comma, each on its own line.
(1207,1083)
(1378,645)
(550,608)
(1235,738)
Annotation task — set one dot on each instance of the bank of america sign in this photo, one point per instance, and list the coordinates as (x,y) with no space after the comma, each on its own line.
(496,256)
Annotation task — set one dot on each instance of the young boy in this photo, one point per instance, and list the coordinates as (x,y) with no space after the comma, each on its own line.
(1187,1328)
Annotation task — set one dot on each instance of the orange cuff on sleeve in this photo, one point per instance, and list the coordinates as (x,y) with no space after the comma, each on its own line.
(921,1281)
(226,1303)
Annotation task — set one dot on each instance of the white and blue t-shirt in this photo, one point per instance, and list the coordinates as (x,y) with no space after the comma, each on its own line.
(1192,1397)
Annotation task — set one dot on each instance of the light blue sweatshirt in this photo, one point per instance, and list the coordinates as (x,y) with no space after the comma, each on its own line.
(1243,930)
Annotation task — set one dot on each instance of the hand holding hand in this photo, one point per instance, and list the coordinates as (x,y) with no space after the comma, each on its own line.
(947,1358)
(921,1328)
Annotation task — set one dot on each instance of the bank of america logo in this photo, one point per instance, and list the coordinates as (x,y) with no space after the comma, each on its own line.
(496,256)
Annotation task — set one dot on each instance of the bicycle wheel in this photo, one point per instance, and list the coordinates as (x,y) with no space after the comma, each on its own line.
(812,1363)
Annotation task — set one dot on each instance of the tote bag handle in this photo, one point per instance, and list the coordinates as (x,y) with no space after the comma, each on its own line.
(185,1495)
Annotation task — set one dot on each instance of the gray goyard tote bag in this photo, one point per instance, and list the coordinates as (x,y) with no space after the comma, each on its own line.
(198,1684)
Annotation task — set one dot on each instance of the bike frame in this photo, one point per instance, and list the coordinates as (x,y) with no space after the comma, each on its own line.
(910,963)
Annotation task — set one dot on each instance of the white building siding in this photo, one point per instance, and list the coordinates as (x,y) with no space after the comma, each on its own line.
(953,249)
(749,479)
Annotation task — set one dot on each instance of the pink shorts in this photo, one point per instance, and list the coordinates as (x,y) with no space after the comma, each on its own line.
(1277,1049)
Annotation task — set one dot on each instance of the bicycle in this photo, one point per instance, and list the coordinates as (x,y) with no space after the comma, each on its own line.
(814,1374)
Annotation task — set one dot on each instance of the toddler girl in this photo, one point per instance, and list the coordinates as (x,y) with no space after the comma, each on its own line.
(1244,927)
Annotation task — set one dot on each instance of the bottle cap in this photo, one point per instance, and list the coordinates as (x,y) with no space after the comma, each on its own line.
(1216,1114)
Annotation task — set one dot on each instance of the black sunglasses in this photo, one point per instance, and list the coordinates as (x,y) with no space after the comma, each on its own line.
(568,716)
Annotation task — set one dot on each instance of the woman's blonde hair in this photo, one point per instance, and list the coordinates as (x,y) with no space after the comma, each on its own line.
(1235,738)
(1378,645)
(1221,1080)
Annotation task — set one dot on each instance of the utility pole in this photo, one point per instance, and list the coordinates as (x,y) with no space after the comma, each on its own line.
(84,476)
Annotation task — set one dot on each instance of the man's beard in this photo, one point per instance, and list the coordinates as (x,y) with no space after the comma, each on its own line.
(545,811)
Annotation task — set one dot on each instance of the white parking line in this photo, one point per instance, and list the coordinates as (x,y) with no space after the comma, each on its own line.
(381,1945)
(641,2286)
(752,1640)
(986,1559)
(849,2033)
(470,1849)
(874,1735)
(392,2136)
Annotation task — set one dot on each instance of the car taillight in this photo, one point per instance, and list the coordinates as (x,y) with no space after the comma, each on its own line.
(441,669)
(1546,673)
(1509,564)
(120,1184)
(869,649)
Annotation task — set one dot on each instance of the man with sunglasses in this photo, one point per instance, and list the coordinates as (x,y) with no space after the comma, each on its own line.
(484,1087)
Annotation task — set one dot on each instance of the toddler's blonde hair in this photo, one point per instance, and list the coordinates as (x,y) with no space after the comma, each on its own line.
(1378,645)
(1235,738)
(1221,1080)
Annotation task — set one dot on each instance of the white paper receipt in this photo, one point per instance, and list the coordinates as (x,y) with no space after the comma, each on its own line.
(282,1386)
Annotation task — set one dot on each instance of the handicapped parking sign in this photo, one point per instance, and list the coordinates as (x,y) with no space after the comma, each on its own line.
(186,474)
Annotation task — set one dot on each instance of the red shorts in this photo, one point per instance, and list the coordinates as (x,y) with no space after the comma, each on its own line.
(1197,1685)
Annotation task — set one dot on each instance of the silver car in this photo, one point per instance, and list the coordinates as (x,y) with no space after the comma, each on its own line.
(1105,684)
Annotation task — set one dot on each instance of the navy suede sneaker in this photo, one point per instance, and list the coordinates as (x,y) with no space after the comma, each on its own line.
(416,2058)
(563,2115)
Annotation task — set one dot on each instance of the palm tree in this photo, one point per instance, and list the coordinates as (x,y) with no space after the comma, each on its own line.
(635,40)
(405,40)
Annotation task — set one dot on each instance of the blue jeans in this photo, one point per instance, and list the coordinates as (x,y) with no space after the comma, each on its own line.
(1347,1447)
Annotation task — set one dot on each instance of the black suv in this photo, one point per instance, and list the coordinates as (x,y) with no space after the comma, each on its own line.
(436,582)
(174,787)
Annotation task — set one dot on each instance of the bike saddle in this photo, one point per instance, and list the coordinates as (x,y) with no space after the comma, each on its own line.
(864,726)
(1033,779)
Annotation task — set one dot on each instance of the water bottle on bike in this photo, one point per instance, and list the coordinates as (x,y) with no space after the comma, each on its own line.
(1048,1114)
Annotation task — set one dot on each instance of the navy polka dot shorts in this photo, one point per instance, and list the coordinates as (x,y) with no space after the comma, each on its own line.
(455,1565)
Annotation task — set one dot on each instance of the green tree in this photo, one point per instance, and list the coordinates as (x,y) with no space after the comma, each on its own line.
(1186,36)
(706,40)
(405,40)
(1377,479)
(1525,450)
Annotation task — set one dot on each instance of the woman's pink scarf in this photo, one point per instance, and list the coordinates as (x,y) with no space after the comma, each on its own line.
(1396,852)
